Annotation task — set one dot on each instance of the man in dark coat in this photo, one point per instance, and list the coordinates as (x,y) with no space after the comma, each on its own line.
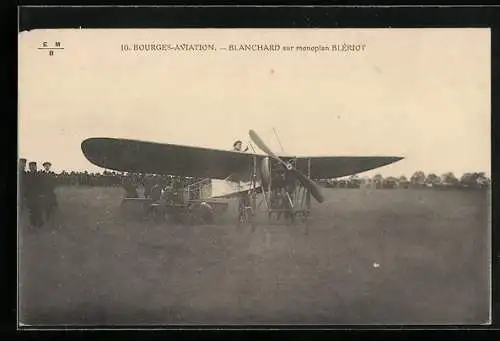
(22,184)
(34,190)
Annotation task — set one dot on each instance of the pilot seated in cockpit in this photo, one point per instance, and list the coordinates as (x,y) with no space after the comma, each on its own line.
(238,145)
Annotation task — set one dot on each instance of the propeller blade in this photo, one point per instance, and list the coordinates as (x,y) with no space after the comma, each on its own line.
(258,141)
(310,185)
(306,182)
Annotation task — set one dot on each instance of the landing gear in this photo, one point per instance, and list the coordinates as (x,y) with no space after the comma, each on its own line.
(201,213)
(284,192)
(292,203)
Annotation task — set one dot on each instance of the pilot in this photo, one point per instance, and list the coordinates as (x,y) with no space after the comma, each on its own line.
(238,145)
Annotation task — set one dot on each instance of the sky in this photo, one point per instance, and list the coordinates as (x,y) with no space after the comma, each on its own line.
(423,94)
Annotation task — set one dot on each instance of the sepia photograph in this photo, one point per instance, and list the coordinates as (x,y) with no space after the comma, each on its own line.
(244,177)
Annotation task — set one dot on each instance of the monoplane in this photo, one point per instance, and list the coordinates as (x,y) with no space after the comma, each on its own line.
(284,183)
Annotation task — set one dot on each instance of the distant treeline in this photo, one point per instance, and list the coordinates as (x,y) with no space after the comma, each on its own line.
(418,179)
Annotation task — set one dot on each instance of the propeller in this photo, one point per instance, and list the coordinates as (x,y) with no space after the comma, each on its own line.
(305,181)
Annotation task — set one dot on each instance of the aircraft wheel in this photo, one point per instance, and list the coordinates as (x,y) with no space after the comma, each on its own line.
(251,219)
(155,214)
(253,227)
(270,216)
(242,217)
(288,218)
(246,217)
(170,218)
(188,217)
(305,221)
(206,213)
(200,214)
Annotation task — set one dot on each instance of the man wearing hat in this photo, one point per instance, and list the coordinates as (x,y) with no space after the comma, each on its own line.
(48,177)
(46,167)
(238,145)
(22,165)
(22,187)
(34,190)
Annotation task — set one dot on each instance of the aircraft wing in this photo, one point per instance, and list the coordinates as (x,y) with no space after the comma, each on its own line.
(157,158)
(328,167)
(169,159)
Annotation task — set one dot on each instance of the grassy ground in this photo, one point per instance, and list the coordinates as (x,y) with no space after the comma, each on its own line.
(93,265)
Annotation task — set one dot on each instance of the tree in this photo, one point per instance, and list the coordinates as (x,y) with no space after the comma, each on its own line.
(378,180)
(432,179)
(418,178)
(390,182)
(403,181)
(474,180)
(469,180)
(483,180)
(449,179)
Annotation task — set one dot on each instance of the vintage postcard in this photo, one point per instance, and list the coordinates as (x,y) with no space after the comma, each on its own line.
(254,177)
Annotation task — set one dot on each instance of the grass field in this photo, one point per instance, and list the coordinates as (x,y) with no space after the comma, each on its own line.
(93,265)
